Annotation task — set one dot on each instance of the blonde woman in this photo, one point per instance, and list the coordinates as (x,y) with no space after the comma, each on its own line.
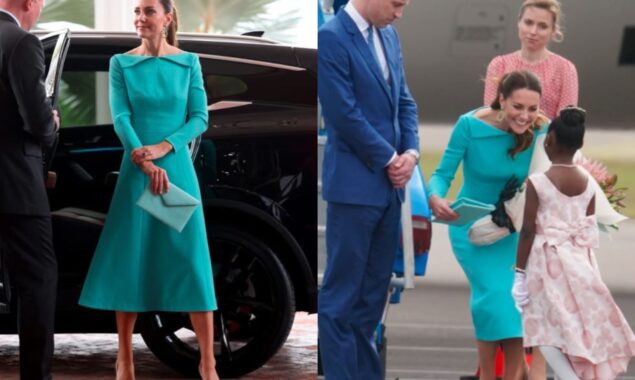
(538,25)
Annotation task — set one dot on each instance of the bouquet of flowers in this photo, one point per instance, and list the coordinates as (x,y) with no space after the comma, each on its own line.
(608,183)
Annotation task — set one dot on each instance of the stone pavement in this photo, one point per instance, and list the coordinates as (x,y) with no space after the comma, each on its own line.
(92,356)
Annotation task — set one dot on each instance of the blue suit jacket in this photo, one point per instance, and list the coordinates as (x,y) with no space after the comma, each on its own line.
(366,118)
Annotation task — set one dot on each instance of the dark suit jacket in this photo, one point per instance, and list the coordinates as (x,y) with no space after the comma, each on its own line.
(26,122)
(367,119)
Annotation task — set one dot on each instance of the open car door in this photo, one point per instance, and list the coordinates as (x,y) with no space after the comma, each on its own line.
(55,49)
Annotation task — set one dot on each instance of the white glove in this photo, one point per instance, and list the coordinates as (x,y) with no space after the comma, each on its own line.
(520,294)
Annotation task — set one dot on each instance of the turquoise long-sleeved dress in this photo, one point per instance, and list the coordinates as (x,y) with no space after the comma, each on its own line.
(483,150)
(140,263)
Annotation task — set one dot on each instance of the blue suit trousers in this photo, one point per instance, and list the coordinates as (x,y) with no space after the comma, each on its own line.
(361,243)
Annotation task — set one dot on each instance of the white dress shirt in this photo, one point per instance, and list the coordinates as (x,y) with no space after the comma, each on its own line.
(363,26)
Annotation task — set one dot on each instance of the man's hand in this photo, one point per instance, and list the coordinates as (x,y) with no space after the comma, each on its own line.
(150,152)
(400,170)
(159,182)
(56,117)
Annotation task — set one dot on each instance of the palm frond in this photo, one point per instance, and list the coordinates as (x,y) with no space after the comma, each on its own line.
(75,11)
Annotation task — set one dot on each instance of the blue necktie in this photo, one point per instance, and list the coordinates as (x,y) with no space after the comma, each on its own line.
(371,45)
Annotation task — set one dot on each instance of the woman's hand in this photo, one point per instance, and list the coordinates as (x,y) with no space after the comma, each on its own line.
(159,182)
(441,208)
(150,152)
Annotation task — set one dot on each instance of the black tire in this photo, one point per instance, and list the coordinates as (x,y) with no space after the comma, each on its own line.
(256,309)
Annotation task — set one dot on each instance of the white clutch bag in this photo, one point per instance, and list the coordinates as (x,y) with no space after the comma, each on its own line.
(485,232)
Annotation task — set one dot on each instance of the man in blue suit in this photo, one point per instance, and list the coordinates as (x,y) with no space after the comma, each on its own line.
(371,151)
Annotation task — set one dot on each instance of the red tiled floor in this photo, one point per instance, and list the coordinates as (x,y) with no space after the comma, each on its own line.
(92,356)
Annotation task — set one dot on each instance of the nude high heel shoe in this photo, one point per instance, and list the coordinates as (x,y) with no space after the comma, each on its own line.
(123,375)
(200,372)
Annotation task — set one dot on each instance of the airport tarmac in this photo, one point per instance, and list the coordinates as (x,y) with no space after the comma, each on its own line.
(430,334)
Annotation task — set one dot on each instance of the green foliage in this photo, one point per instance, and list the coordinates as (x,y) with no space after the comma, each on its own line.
(204,16)
(77,99)
(235,17)
(75,11)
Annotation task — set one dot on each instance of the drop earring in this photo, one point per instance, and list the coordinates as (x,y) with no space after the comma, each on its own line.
(164,32)
(500,115)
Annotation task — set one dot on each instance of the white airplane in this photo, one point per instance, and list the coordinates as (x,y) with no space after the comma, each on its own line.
(447,45)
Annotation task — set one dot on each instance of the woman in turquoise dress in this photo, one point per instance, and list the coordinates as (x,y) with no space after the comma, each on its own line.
(158,104)
(493,143)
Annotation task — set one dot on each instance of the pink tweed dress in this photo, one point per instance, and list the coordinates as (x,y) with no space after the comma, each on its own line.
(569,306)
(558,76)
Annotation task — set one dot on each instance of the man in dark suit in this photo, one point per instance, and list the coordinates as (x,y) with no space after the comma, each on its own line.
(370,153)
(27,127)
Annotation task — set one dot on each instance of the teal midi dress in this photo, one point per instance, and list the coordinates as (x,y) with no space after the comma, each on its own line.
(140,263)
(483,150)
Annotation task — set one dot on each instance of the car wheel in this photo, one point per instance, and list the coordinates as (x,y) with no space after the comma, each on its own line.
(256,310)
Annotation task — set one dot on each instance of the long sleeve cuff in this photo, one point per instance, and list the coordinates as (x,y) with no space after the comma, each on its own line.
(394,156)
(414,152)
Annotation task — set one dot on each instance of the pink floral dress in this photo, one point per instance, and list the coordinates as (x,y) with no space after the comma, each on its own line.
(569,306)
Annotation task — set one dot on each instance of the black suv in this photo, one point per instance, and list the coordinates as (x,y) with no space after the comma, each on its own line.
(256,165)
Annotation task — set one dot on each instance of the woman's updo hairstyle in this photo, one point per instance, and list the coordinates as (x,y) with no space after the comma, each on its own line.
(510,82)
(568,128)
(515,80)
(169,7)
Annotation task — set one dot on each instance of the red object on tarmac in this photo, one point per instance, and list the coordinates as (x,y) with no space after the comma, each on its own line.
(500,363)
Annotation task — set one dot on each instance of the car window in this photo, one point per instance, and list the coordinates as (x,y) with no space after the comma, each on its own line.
(84,99)
(258,83)
(220,86)
(261,91)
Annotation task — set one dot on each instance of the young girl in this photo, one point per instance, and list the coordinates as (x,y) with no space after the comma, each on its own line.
(568,312)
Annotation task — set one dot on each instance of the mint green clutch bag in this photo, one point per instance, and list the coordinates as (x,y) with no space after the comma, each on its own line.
(173,208)
(468,210)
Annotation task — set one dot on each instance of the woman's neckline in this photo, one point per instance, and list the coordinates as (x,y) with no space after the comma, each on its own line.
(519,55)
(155,56)
(473,114)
